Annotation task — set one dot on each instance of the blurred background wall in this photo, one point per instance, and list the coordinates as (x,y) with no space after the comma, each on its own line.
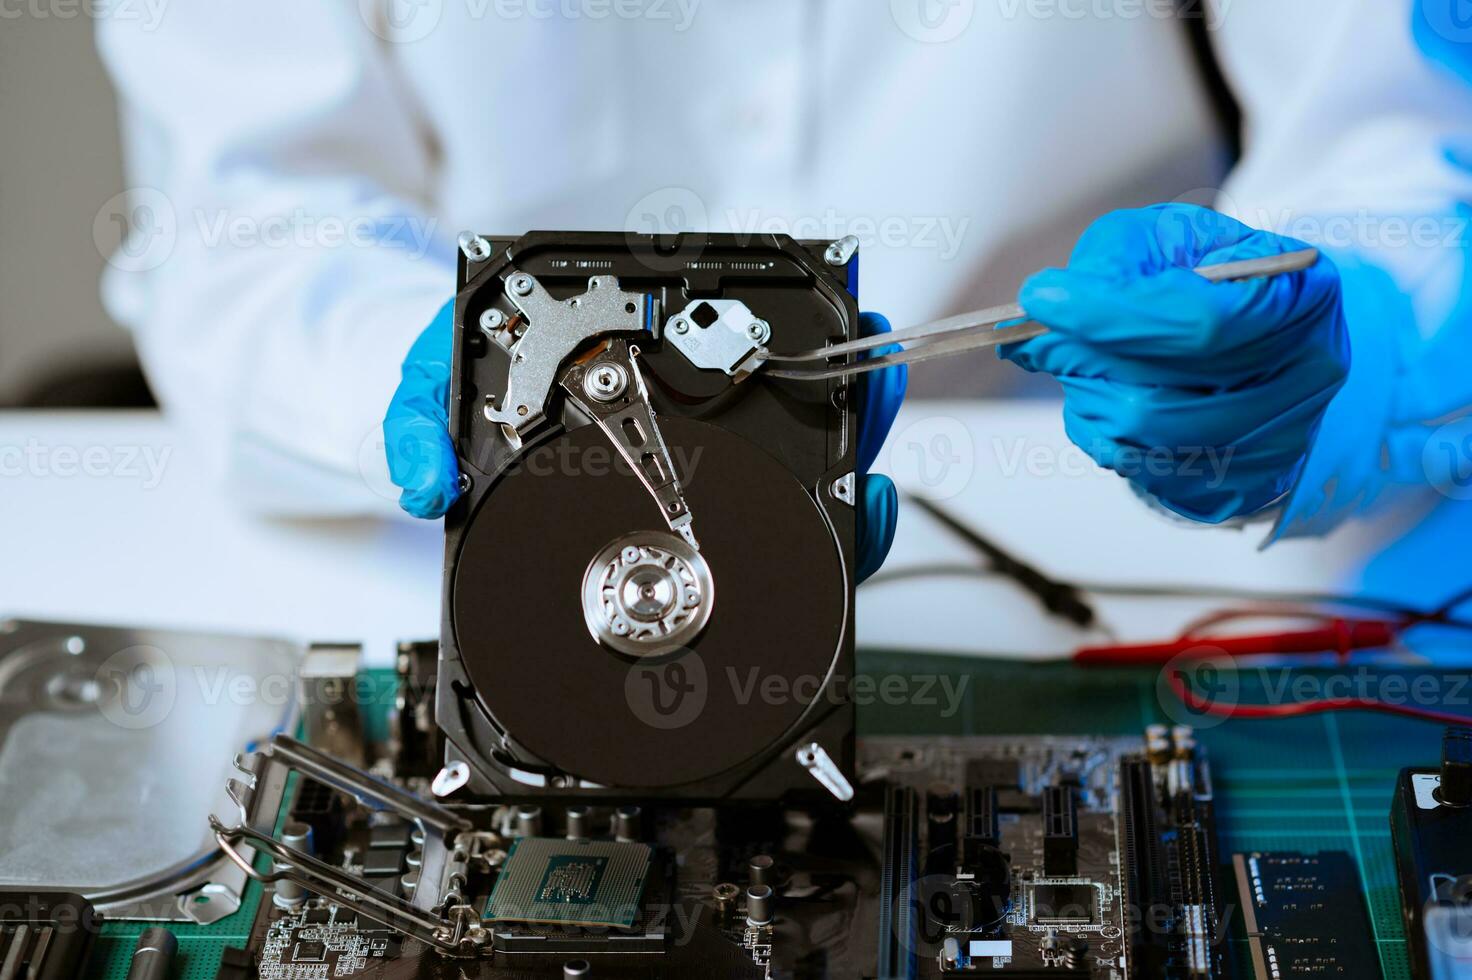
(59,165)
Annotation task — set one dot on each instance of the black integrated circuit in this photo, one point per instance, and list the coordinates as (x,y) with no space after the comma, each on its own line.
(1306,916)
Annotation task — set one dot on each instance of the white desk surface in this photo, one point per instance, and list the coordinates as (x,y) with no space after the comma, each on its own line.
(94,535)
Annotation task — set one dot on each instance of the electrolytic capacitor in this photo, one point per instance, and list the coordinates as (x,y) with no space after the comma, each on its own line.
(153,957)
(759,905)
(529,820)
(577,822)
(761,870)
(628,823)
(296,835)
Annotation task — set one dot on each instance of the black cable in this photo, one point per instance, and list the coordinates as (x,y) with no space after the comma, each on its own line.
(1439,616)
(1059,598)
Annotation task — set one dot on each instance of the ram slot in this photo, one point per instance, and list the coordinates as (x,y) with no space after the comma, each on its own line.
(1144,877)
(897,926)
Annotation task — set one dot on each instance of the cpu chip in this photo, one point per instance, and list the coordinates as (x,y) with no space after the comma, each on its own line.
(570,882)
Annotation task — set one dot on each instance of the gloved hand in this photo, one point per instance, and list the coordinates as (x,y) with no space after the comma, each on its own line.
(1205,396)
(421,458)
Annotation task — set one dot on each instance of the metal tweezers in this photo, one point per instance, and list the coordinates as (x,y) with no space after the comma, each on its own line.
(979,329)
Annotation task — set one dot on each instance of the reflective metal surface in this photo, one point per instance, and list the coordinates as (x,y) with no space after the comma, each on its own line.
(111,743)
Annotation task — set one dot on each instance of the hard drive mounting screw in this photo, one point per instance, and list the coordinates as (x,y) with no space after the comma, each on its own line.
(492,320)
(464,483)
(475,247)
(620,627)
(521,284)
(759,331)
(630,555)
(839,252)
(680,325)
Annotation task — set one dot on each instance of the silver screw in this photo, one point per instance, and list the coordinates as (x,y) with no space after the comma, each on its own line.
(521,284)
(492,320)
(839,252)
(680,325)
(630,555)
(759,331)
(605,382)
(475,247)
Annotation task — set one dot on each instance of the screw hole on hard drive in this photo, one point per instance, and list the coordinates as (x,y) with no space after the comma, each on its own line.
(629,307)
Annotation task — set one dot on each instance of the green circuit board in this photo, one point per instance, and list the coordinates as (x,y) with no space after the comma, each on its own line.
(1314,783)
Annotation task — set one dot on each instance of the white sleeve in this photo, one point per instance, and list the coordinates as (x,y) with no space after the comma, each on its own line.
(281,256)
(1359,140)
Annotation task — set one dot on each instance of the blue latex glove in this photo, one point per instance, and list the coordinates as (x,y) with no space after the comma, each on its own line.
(1206,396)
(421,458)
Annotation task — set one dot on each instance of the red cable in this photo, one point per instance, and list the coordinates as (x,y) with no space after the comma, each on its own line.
(1339,636)
(1298,708)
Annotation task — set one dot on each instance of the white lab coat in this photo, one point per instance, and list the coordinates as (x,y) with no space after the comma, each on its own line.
(965,142)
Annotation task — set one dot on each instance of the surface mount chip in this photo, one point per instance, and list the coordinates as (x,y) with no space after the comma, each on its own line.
(571,882)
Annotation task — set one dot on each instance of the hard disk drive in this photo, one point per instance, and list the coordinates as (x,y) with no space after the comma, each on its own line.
(649,577)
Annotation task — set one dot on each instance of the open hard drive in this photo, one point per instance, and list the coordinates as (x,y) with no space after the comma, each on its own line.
(649,536)
(631,753)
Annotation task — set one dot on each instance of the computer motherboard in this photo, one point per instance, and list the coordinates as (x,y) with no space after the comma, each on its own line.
(1026,856)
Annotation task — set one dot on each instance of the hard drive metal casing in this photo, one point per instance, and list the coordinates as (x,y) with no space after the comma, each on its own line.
(809,300)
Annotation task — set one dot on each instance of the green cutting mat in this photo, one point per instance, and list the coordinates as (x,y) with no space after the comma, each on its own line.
(1304,784)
